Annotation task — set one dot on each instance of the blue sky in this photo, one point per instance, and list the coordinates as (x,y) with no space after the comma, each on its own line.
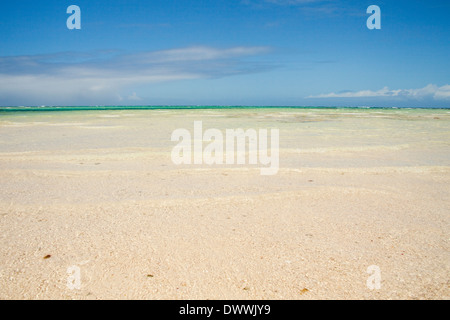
(225,52)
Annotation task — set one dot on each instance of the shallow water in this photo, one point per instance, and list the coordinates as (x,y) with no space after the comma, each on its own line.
(309,137)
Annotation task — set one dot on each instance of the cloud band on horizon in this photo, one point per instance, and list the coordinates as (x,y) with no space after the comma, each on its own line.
(431,90)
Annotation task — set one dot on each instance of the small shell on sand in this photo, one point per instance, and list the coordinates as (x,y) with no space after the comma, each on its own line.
(303,291)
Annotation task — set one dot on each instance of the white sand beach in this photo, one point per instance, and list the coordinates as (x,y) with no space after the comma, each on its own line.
(98,190)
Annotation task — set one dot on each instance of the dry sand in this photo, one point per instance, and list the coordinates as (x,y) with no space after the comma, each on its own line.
(139,227)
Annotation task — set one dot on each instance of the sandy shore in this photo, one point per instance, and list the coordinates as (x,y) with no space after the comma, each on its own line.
(139,227)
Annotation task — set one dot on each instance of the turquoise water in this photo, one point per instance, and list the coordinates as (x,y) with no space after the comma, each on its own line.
(91,108)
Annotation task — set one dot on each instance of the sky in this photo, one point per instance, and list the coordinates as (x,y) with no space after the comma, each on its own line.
(225,52)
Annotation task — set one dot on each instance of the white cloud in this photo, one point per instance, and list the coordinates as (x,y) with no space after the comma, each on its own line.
(100,78)
(198,54)
(429,91)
